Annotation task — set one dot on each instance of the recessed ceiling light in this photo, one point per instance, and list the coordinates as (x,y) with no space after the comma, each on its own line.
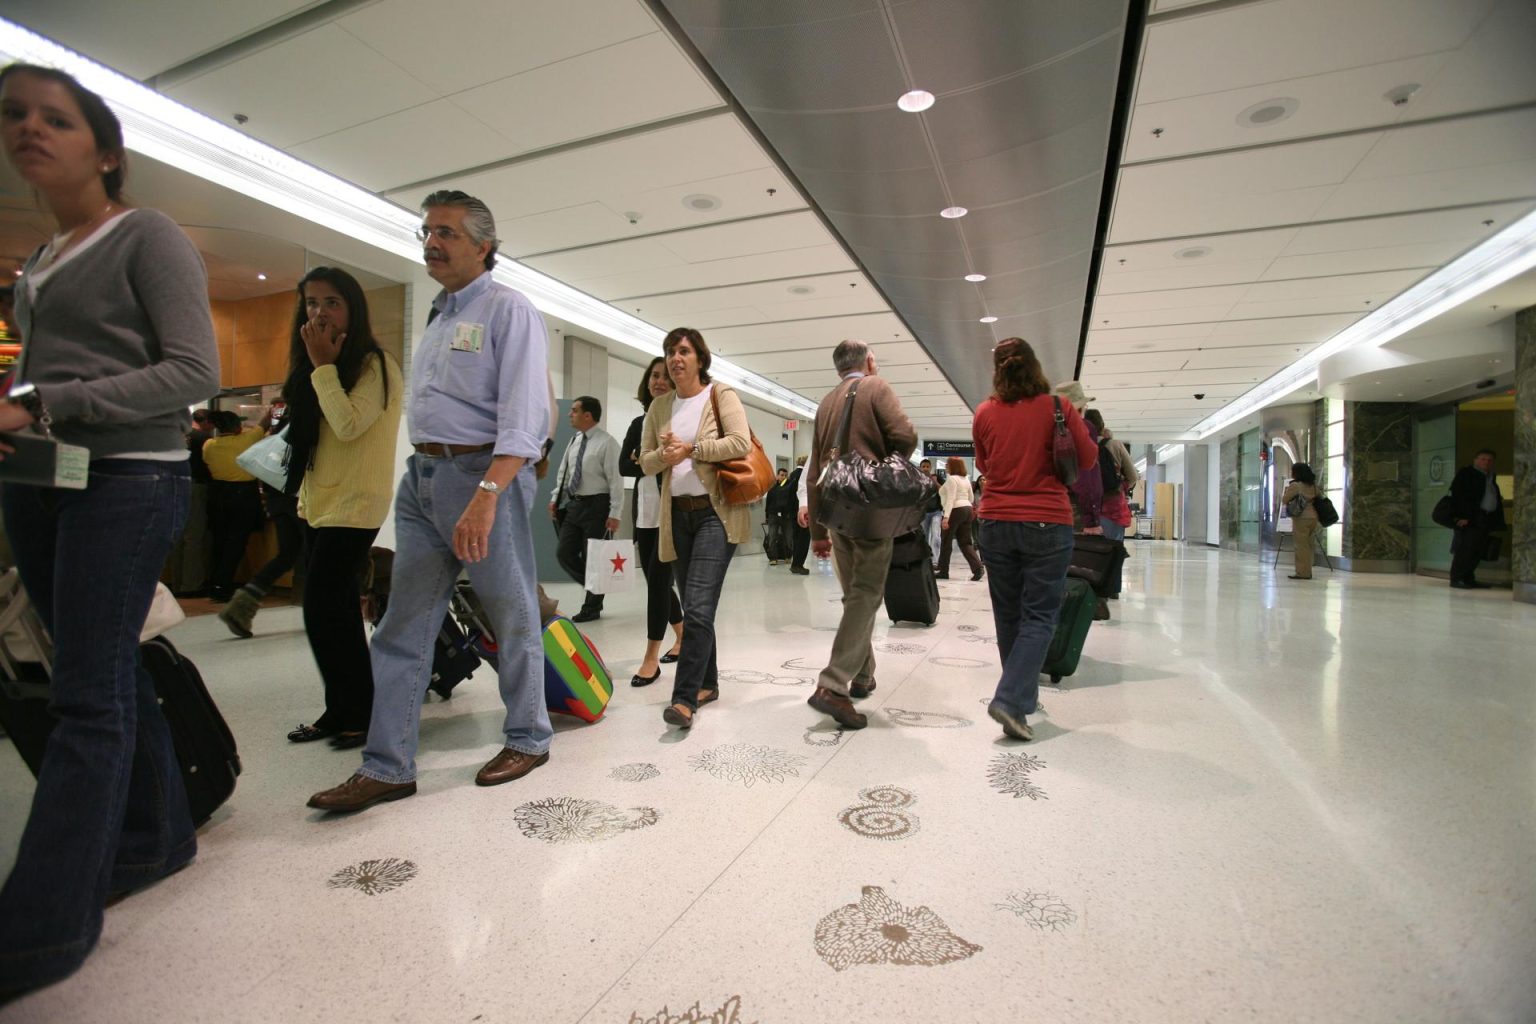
(953,212)
(1268,112)
(701,203)
(1400,95)
(975,278)
(989,319)
(1194,252)
(261,277)
(916,101)
(800,289)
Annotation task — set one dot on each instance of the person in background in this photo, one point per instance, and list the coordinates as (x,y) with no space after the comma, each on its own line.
(933,517)
(1117,471)
(661,604)
(234,501)
(687,432)
(283,512)
(588,493)
(109,814)
(955,496)
(1302,490)
(780,508)
(186,570)
(1478,508)
(1026,522)
(801,535)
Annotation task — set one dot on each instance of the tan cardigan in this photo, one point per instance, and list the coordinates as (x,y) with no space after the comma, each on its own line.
(715,445)
(353,479)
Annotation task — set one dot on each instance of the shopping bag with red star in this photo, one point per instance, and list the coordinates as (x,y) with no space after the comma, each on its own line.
(611,566)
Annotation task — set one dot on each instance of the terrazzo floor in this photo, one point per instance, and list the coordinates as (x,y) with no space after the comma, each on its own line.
(1257,800)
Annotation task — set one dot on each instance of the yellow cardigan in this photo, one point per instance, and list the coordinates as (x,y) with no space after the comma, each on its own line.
(715,445)
(354,475)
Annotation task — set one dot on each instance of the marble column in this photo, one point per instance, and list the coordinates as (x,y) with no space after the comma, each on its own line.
(1378,512)
(1231,492)
(1523,520)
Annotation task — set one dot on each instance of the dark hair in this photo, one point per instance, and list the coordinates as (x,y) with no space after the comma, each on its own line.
(1095,417)
(1016,371)
(591,405)
(1302,474)
(955,466)
(105,128)
(644,394)
(693,338)
(1486,451)
(227,422)
(200,416)
(479,224)
(303,414)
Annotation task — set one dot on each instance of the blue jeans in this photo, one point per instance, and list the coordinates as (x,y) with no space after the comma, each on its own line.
(110,811)
(433,495)
(703,556)
(1026,575)
(933,533)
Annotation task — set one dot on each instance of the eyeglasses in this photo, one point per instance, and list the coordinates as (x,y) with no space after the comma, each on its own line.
(443,234)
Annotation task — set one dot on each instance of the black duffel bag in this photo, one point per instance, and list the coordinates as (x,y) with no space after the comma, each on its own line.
(869,500)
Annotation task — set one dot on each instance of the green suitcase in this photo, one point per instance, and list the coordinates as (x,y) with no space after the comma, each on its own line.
(1077,606)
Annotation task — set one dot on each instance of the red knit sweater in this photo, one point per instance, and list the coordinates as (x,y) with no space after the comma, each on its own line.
(1013,451)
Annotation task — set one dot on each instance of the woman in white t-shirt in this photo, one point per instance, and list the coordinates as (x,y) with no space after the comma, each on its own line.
(661,605)
(686,433)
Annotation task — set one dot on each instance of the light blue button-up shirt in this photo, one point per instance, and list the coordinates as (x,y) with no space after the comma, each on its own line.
(497,395)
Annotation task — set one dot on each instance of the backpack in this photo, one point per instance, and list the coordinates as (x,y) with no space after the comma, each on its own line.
(1297,506)
(1327,515)
(1109,470)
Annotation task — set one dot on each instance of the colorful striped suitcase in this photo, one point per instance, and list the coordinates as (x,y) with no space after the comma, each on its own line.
(576,682)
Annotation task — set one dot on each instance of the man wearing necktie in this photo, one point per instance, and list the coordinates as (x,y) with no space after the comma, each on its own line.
(588,495)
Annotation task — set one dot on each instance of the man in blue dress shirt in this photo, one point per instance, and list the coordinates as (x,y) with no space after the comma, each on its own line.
(478,414)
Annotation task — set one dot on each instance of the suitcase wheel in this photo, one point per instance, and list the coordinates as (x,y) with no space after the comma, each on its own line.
(1055,679)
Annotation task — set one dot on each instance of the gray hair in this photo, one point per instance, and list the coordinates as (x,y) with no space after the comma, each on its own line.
(478,221)
(850,355)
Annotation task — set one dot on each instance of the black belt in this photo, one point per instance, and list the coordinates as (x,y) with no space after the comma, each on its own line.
(444,451)
(692,502)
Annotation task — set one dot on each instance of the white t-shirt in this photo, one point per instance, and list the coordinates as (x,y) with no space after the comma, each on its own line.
(647,503)
(686,414)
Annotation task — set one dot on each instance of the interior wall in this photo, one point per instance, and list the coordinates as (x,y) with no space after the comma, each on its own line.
(253,335)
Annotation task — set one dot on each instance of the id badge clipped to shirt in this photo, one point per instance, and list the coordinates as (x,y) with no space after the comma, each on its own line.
(468,338)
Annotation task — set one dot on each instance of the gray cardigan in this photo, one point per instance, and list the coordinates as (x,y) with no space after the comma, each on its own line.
(119,340)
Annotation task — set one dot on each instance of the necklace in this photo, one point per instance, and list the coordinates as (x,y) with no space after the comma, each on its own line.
(61,242)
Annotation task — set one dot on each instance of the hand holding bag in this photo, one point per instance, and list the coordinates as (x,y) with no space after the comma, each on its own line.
(267,460)
(742,480)
(869,500)
(1063,449)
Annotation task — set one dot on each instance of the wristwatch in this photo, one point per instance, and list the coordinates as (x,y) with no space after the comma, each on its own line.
(487,485)
(26,396)
(695,449)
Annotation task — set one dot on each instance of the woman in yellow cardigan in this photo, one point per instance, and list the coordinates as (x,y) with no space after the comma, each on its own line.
(687,431)
(344,397)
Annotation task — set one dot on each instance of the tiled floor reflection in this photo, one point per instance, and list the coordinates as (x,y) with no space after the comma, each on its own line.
(1256,800)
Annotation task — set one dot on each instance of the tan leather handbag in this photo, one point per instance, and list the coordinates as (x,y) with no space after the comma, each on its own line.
(742,480)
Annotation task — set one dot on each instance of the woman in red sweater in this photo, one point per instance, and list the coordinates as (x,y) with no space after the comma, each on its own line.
(1026,522)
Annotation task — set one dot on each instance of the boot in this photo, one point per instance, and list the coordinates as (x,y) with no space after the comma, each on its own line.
(241,611)
(1100,610)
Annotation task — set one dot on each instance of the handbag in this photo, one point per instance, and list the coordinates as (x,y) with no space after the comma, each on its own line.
(1444,513)
(610,565)
(1063,448)
(865,499)
(742,480)
(267,460)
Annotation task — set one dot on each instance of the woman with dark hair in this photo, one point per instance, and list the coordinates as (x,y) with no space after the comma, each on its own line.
(687,432)
(661,604)
(344,397)
(957,501)
(117,343)
(1026,522)
(1297,500)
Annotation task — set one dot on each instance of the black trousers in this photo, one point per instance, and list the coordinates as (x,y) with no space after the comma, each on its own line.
(283,510)
(581,520)
(661,605)
(959,532)
(1468,545)
(335,558)
(234,513)
(802,544)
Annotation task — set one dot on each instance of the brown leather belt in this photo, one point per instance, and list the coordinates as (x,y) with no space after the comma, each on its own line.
(692,502)
(443,451)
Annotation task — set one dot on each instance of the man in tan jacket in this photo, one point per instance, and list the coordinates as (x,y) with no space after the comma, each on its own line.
(879,428)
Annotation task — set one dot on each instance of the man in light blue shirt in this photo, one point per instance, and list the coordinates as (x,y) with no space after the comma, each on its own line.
(478,415)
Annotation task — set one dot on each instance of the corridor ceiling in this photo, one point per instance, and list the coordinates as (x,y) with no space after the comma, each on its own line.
(654,155)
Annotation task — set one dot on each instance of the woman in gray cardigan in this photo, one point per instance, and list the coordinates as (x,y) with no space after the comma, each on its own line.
(117,343)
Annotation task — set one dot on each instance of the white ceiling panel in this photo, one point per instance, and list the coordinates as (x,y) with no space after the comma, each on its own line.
(1269,357)
(1140,396)
(1318,328)
(598,262)
(311,85)
(1312,306)
(894,353)
(823,333)
(1493,69)
(405,146)
(632,82)
(1352,286)
(759,294)
(1422,257)
(797,230)
(1194,274)
(1463,227)
(1249,246)
(674,275)
(1393,194)
(1154,317)
(1138,302)
(828,377)
(460,44)
(541,232)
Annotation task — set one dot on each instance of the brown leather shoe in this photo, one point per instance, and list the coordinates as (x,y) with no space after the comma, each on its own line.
(840,708)
(360,793)
(860,690)
(708,697)
(508,765)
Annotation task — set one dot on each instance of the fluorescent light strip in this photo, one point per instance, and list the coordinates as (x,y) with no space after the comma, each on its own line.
(1164,451)
(1507,254)
(161,128)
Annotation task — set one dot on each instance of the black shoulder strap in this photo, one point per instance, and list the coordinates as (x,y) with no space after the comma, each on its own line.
(840,442)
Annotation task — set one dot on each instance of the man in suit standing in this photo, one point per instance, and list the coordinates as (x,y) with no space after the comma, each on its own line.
(1478,508)
(588,495)
(802,529)
(878,428)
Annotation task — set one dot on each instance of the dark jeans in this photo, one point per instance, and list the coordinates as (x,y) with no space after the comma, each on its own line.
(234,513)
(283,510)
(1026,576)
(703,556)
(110,812)
(582,520)
(802,544)
(959,531)
(661,604)
(1468,545)
(333,619)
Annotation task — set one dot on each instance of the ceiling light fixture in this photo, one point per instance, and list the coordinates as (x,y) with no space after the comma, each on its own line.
(1400,95)
(800,289)
(1194,252)
(989,319)
(975,278)
(953,212)
(1268,112)
(261,277)
(164,130)
(701,203)
(916,101)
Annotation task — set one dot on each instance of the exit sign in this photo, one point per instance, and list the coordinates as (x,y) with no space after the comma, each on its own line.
(791,424)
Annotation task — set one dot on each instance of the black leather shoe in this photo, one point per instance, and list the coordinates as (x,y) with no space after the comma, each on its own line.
(309,733)
(800,570)
(348,740)
(638,680)
(669,657)
(586,615)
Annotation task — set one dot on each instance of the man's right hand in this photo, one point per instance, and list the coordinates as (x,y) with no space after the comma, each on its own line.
(554,514)
(804,517)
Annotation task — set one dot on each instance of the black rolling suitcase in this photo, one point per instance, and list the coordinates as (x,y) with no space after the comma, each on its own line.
(454,658)
(911,591)
(1094,559)
(210,762)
